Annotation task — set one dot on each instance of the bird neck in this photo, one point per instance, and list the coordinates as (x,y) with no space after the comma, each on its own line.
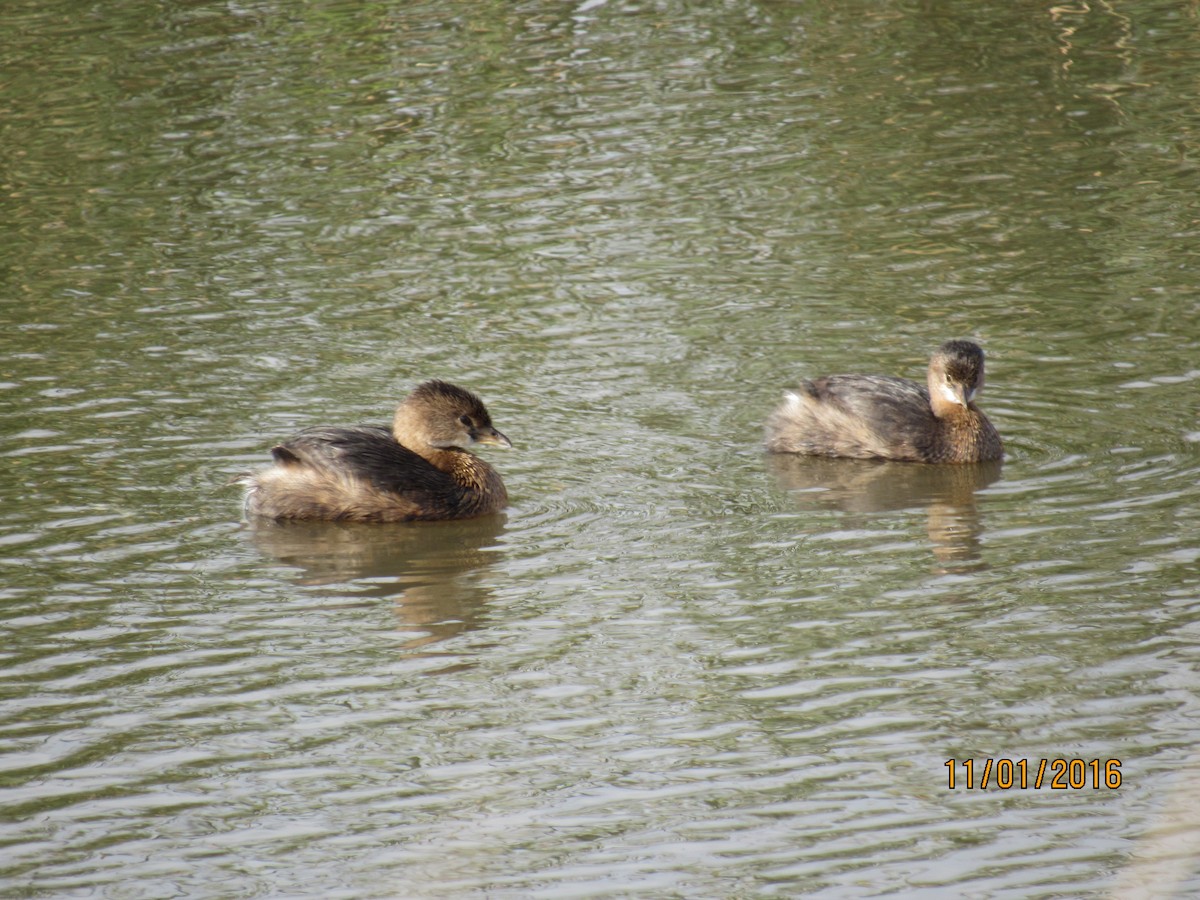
(464,467)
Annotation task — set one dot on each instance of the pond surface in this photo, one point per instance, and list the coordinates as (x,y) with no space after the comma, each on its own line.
(675,667)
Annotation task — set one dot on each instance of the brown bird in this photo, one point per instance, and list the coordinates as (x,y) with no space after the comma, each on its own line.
(877,416)
(420,469)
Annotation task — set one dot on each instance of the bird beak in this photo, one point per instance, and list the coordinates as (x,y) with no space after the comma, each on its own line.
(956,393)
(491,437)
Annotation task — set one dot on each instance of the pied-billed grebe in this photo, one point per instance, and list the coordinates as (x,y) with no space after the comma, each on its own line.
(417,470)
(875,416)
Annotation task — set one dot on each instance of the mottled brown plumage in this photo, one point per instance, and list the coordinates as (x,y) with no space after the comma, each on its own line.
(876,416)
(417,470)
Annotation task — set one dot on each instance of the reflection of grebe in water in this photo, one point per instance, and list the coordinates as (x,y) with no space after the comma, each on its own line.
(876,416)
(417,470)
(947,493)
(433,574)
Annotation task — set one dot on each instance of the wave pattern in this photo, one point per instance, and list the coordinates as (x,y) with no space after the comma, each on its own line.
(674,667)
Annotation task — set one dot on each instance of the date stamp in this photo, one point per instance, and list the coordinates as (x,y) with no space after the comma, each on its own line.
(1036,774)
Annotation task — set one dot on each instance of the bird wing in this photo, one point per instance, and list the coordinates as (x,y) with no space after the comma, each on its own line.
(883,413)
(369,452)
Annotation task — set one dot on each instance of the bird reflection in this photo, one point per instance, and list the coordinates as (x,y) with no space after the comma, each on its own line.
(429,571)
(868,486)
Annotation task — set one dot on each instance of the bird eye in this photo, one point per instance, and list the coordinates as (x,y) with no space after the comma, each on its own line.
(466,420)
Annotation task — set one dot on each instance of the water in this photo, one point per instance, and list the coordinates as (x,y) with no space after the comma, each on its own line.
(674,667)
